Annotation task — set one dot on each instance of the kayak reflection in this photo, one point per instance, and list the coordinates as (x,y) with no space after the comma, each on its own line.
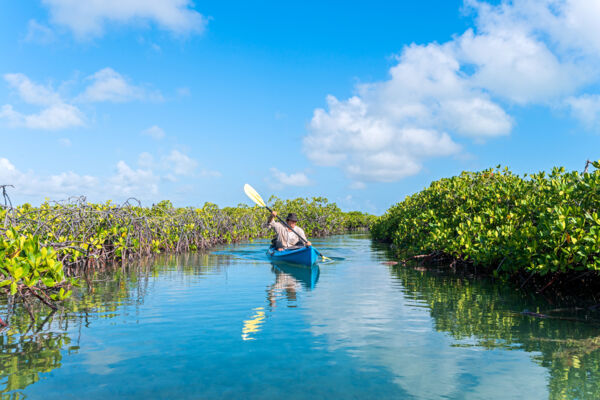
(289,279)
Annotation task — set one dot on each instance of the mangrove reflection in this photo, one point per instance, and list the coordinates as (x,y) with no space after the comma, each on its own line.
(24,358)
(29,348)
(492,315)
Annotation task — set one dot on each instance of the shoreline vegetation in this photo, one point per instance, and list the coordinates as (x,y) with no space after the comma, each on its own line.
(44,249)
(541,231)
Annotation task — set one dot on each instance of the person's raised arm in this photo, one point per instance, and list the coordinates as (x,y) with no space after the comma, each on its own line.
(272,217)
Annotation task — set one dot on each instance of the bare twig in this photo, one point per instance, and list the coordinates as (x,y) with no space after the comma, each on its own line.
(7,202)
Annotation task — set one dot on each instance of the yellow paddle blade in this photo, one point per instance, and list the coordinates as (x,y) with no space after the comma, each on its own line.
(254,196)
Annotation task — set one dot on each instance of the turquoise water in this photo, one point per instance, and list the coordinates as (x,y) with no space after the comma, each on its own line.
(230,325)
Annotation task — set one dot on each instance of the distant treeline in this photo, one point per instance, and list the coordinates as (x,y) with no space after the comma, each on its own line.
(542,229)
(40,247)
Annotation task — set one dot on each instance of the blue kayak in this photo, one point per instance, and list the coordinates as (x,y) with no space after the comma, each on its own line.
(303,255)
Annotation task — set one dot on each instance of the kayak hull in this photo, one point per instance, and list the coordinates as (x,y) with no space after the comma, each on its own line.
(304,255)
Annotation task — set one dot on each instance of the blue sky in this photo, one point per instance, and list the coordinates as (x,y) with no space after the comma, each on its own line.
(361,102)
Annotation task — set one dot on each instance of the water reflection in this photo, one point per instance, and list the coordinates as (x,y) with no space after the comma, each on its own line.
(254,324)
(30,348)
(306,276)
(23,357)
(412,333)
(289,280)
(485,315)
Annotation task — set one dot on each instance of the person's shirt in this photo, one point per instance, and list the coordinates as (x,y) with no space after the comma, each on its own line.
(286,238)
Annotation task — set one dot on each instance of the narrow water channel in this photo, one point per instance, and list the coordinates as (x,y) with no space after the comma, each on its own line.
(231,325)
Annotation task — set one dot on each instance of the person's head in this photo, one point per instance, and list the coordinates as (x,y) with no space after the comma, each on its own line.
(291,219)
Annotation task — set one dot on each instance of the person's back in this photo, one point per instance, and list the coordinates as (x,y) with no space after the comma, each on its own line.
(286,237)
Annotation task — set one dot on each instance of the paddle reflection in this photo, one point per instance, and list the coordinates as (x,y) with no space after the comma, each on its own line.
(254,324)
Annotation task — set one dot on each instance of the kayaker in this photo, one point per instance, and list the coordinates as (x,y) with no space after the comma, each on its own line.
(285,237)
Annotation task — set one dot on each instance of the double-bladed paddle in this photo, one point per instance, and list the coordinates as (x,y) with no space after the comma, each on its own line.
(255,197)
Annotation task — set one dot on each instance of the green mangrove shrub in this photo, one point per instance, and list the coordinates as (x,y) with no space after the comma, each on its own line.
(319,217)
(29,269)
(540,224)
(41,248)
(81,234)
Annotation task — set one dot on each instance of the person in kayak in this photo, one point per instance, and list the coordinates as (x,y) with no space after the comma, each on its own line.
(285,237)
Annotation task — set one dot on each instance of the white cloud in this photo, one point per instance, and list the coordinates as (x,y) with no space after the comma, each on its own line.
(511,58)
(357,185)
(59,116)
(139,183)
(476,117)
(586,108)
(179,163)
(67,184)
(90,18)
(59,186)
(30,92)
(58,113)
(371,146)
(126,181)
(569,27)
(146,160)
(39,33)
(109,85)
(207,173)
(516,66)
(154,132)
(65,142)
(583,32)
(8,172)
(519,53)
(293,179)
(55,114)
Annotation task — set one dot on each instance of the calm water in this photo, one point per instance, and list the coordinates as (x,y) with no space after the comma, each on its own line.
(230,325)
